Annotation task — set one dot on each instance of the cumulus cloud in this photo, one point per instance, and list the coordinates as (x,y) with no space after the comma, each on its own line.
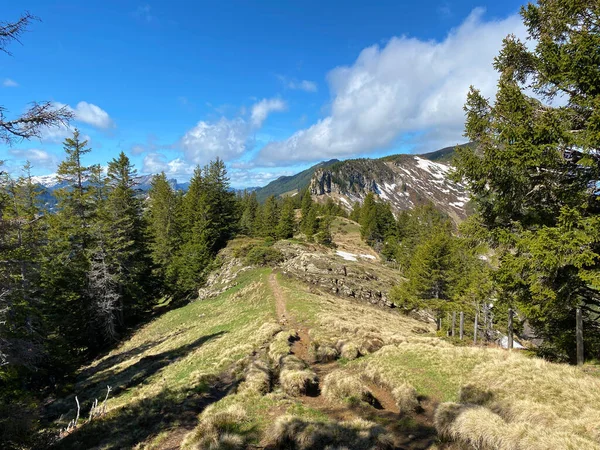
(93,115)
(7,82)
(38,158)
(406,86)
(227,138)
(157,162)
(262,109)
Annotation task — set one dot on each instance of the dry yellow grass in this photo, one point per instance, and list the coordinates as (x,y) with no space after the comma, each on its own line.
(342,385)
(293,432)
(218,430)
(405,396)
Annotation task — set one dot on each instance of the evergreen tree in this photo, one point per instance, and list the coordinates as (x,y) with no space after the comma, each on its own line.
(269,218)
(66,263)
(249,214)
(307,204)
(431,276)
(287,220)
(311,224)
(129,255)
(531,172)
(368,216)
(355,213)
(163,228)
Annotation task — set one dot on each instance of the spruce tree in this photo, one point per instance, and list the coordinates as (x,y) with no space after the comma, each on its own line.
(249,213)
(66,262)
(355,213)
(532,170)
(163,228)
(306,205)
(287,220)
(269,218)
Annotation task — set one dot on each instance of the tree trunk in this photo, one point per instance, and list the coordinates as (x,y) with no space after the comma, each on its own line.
(579,335)
(462,325)
(510,329)
(453,322)
(475,330)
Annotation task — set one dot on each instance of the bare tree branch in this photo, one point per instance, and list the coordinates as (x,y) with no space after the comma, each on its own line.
(32,122)
(40,115)
(10,31)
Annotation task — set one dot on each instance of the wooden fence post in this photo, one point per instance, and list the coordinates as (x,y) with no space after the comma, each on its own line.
(475,330)
(510,329)
(462,325)
(453,322)
(579,335)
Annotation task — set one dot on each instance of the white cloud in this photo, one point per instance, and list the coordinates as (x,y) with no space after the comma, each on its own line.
(93,115)
(9,83)
(303,85)
(226,138)
(38,158)
(262,109)
(249,178)
(157,162)
(407,86)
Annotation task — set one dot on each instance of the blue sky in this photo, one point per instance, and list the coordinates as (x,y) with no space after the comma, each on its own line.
(270,86)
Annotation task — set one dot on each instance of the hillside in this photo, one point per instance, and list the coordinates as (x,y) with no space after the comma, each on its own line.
(295,357)
(402,180)
(290,184)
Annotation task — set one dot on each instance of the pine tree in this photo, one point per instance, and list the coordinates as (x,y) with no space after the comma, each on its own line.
(287,220)
(311,224)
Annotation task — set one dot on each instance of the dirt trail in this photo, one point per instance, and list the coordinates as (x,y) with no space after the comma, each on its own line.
(384,412)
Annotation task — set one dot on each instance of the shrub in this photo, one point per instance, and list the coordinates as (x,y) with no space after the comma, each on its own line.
(263,256)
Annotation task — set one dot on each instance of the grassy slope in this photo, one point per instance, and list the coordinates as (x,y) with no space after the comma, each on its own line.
(161,376)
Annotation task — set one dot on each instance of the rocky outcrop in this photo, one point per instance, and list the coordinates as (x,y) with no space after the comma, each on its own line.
(364,281)
(403,180)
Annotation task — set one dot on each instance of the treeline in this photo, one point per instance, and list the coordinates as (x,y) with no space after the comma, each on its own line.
(74,279)
(277,218)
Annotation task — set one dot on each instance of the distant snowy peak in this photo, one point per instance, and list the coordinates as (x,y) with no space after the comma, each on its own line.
(47,181)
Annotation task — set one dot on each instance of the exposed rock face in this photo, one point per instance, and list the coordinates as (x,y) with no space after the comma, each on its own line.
(403,180)
(364,281)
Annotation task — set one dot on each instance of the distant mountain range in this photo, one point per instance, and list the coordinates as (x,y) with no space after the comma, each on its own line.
(402,180)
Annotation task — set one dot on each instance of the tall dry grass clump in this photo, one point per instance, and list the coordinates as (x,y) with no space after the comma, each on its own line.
(218,430)
(289,432)
(344,386)
(296,378)
(521,403)
(406,399)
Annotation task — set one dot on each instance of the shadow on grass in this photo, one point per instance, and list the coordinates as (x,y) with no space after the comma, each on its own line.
(142,420)
(118,358)
(126,379)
